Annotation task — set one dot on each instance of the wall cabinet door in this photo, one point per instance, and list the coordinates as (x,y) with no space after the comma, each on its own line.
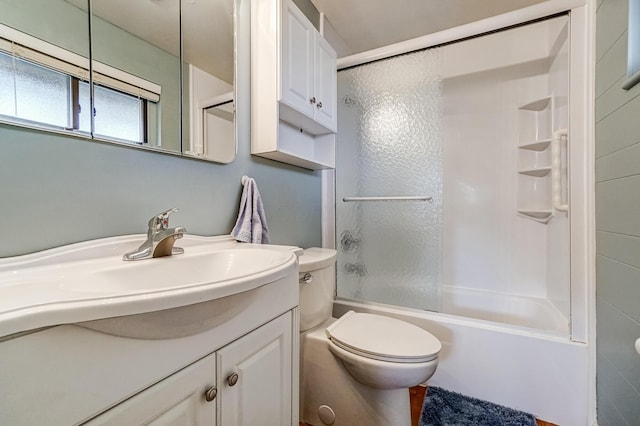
(297,76)
(185,398)
(255,377)
(325,84)
(308,69)
(293,88)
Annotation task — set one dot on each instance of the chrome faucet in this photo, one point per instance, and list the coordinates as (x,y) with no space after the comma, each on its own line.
(160,239)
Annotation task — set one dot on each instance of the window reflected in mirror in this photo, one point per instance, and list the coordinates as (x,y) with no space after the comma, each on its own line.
(147,84)
(141,40)
(44,51)
(34,94)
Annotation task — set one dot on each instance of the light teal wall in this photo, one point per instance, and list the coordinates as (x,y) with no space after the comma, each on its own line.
(56,190)
(56,21)
(618,222)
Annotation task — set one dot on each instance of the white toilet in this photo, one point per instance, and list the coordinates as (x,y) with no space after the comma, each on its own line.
(356,369)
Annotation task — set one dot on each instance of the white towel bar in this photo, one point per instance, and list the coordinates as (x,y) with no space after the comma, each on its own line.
(399,198)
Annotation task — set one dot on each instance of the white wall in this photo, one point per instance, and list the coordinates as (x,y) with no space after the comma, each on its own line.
(558,250)
(202,87)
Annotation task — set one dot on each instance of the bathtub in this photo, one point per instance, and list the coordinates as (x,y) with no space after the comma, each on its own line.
(530,369)
(521,311)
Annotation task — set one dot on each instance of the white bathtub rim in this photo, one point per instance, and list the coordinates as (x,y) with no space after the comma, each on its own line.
(444,318)
(560,320)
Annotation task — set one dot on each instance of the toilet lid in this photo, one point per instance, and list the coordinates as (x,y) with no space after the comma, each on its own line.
(383,338)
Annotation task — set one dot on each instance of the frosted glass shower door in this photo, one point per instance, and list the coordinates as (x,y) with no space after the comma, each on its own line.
(389,181)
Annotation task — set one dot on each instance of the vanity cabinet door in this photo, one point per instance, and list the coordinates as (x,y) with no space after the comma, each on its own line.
(255,377)
(185,398)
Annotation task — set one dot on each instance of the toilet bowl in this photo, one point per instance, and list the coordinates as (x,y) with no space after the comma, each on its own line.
(383,352)
(356,369)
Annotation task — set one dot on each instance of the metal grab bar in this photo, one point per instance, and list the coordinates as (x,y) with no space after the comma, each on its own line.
(556,170)
(399,198)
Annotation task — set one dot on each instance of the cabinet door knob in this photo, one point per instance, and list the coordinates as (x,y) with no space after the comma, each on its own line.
(232,379)
(211,394)
(319,105)
(313,100)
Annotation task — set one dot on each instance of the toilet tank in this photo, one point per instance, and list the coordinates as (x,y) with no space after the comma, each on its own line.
(317,286)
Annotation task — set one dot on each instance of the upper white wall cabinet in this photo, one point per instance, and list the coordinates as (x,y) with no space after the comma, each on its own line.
(308,73)
(293,87)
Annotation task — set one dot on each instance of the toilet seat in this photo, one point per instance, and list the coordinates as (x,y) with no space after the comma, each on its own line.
(383,338)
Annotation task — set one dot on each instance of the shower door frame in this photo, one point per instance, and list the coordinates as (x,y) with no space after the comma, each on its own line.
(581,144)
(582,223)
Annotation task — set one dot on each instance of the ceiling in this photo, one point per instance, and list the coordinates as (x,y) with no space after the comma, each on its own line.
(368,24)
(361,25)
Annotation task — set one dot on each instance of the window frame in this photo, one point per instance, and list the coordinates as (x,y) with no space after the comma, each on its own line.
(633,46)
(28,48)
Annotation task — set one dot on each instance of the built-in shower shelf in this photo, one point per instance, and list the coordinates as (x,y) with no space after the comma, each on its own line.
(537,145)
(537,105)
(537,172)
(543,216)
(535,123)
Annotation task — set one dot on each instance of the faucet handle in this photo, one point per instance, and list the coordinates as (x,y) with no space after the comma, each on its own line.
(160,222)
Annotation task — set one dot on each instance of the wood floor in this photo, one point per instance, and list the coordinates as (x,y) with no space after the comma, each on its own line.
(417,396)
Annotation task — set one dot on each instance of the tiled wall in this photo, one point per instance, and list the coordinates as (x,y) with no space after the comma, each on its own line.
(618,222)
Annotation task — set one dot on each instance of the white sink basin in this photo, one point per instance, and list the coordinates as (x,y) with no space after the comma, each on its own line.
(180,271)
(89,281)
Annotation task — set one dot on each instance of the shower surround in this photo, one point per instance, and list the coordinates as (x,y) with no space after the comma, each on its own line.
(452,169)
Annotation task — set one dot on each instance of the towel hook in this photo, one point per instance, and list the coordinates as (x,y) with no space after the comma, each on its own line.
(244,180)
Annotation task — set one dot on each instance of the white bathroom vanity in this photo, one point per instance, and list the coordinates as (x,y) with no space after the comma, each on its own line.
(207,337)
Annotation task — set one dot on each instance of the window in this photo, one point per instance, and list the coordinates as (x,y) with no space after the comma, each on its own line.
(117,115)
(34,94)
(39,89)
(633,58)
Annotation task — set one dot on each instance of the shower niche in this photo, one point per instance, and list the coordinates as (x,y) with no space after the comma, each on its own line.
(535,129)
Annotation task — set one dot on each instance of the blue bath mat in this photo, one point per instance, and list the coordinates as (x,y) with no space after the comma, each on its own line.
(445,408)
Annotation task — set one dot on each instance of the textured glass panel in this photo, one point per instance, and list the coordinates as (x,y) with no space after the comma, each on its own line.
(633,61)
(7,86)
(117,115)
(41,94)
(85,107)
(390,144)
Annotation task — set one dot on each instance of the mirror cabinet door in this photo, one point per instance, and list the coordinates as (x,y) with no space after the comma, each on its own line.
(209,125)
(44,51)
(152,86)
(136,72)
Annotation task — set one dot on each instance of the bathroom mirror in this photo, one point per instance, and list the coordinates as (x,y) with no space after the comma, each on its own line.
(153,86)
(44,63)
(136,72)
(208,126)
